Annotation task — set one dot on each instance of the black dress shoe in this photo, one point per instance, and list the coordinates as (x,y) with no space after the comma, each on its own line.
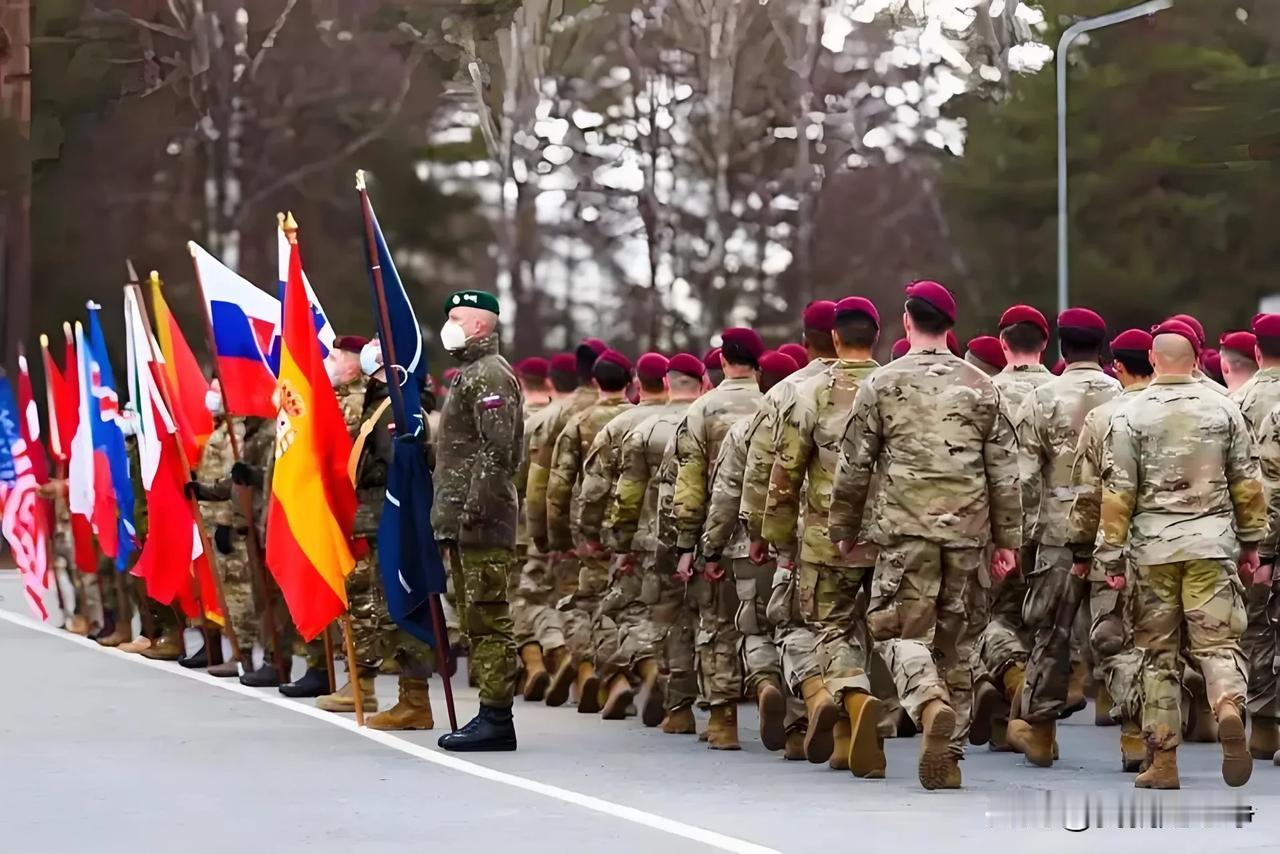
(265,676)
(491,730)
(314,683)
(196,660)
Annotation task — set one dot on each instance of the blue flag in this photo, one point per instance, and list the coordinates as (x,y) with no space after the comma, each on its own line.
(108,438)
(408,558)
(9,432)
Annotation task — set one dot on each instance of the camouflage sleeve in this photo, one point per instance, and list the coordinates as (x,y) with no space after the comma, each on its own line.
(1244,481)
(1000,460)
(541,447)
(598,474)
(794,448)
(689,504)
(1031,454)
(522,473)
(1119,495)
(755,479)
(1269,457)
(1086,478)
(560,480)
(497,410)
(859,450)
(726,499)
(628,495)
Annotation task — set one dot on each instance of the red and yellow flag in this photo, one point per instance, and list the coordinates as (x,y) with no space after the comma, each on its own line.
(313,504)
(187,383)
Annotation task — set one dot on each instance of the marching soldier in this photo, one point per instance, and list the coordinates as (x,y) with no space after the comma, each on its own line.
(986,353)
(1240,366)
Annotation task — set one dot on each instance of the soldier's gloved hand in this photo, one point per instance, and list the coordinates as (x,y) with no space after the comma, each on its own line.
(222,539)
(712,571)
(1080,569)
(241,475)
(624,564)
(1003,563)
(1250,566)
(684,568)
(1116,582)
(758,552)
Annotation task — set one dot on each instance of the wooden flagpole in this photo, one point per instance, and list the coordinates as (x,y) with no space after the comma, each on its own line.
(328,660)
(353,669)
(389,360)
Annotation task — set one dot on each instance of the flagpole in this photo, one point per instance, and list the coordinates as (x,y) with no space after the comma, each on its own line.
(46,504)
(257,564)
(328,660)
(214,564)
(80,388)
(393,383)
(353,669)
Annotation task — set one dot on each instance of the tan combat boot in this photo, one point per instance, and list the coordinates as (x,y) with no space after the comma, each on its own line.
(1035,741)
(938,722)
(588,687)
(1076,699)
(1237,762)
(999,742)
(1014,678)
(841,738)
(78,625)
(953,778)
(794,750)
(1163,773)
(865,756)
(344,699)
(822,711)
(137,645)
(536,677)
(167,647)
(986,706)
(722,733)
(652,709)
(1264,738)
(560,665)
(411,711)
(773,714)
(680,722)
(1133,750)
(122,633)
(1102,708)
(618,697)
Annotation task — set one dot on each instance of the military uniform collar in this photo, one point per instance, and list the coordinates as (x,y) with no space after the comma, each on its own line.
(1082,366)
(1037,368)
(736,383)
(480,347)
(857,363)
(612,399)
(1174,379)
(1137,387)
(653,401)
(1267,374)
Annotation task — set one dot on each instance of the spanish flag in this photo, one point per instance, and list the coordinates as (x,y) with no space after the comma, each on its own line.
(187,383)
(313,504)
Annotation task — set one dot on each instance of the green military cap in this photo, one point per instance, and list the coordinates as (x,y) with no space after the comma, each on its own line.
(472,299)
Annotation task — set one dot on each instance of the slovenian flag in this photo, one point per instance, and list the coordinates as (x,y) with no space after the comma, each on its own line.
(324,329)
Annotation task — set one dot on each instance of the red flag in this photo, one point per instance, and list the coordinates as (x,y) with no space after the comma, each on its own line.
(186,382)
(26,521)
(55,401)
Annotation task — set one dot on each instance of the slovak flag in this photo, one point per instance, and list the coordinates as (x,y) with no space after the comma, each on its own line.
(324,329)
(245,319)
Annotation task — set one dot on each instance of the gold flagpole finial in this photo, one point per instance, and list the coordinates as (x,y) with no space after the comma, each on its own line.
(44,341)
(66,330)
(360,184)
(290,226)
(154,279)
(133,274)
(280,219)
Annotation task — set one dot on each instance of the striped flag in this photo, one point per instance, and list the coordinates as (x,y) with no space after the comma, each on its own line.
(187,383)
(26,521)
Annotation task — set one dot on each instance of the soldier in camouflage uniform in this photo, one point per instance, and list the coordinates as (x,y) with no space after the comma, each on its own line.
(1118,663)
(600,471)
(1003,643)
(532,679)
(1240,357)
(611,375)
(929,424)
(476,510)
(655,620)
(542,590)
(1182,496)
(1258,398)
(1048,426)
(829,584)
(697,446)
(87,601)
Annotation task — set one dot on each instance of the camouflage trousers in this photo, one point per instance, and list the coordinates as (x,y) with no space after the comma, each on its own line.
(480,592)
(916,619)
(579,608)
(717,641)
(533,607)
(673,628)
(1049,667)
(1262,605)
(1004,640)
(1205,599)
(375,635)
(833,604)
(1117,662)
(760,657)
(237,586)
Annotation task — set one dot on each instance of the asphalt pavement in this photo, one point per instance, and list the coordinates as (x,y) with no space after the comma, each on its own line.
(105,752)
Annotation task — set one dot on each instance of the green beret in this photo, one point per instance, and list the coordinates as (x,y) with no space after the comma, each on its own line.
(472,299)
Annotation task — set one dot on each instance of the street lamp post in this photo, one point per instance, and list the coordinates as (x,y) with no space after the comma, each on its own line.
(1072,33)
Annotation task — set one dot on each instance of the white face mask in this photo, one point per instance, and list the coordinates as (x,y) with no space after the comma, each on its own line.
(213,402)
(453,336)
(371,359)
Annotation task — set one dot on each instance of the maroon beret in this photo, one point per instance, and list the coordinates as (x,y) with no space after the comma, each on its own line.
(797,352)
(1024,314)
(688,364)
(1082,318)
(849,305)
(747,340)
(652,367)
(616,358)
(449,375)
(953,344)
(988,349)
(1243,343)
(777,364)
(901,347)
(1132,339)
(564,363)
(936,295)
(1211,362)
(350,343)
(1196,326)
(597,346)
(534,366)
(1267,325)
(1058,367)
(1177,327)
(820,315)
(712,360)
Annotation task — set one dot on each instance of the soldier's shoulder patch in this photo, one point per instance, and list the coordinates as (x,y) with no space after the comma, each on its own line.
(492,401)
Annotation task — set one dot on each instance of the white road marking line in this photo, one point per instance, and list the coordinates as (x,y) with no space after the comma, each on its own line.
(436,757)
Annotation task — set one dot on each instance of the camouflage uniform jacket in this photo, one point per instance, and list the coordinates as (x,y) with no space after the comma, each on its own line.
(533,417)
(1086,474)
(633,515)
(1268,441)
(1180,479)
(808,446)
(1048,427)
(215,465)
(1015,383)
(1210,383)
(351,401)
(541,453)
(764,442)
(724,536)
(1258,397)
(930,425)
(375,460)
(601,469)
(564,481)
(478,452)
(698,441)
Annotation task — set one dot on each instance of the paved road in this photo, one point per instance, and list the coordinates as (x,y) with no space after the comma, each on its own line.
(100,752)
